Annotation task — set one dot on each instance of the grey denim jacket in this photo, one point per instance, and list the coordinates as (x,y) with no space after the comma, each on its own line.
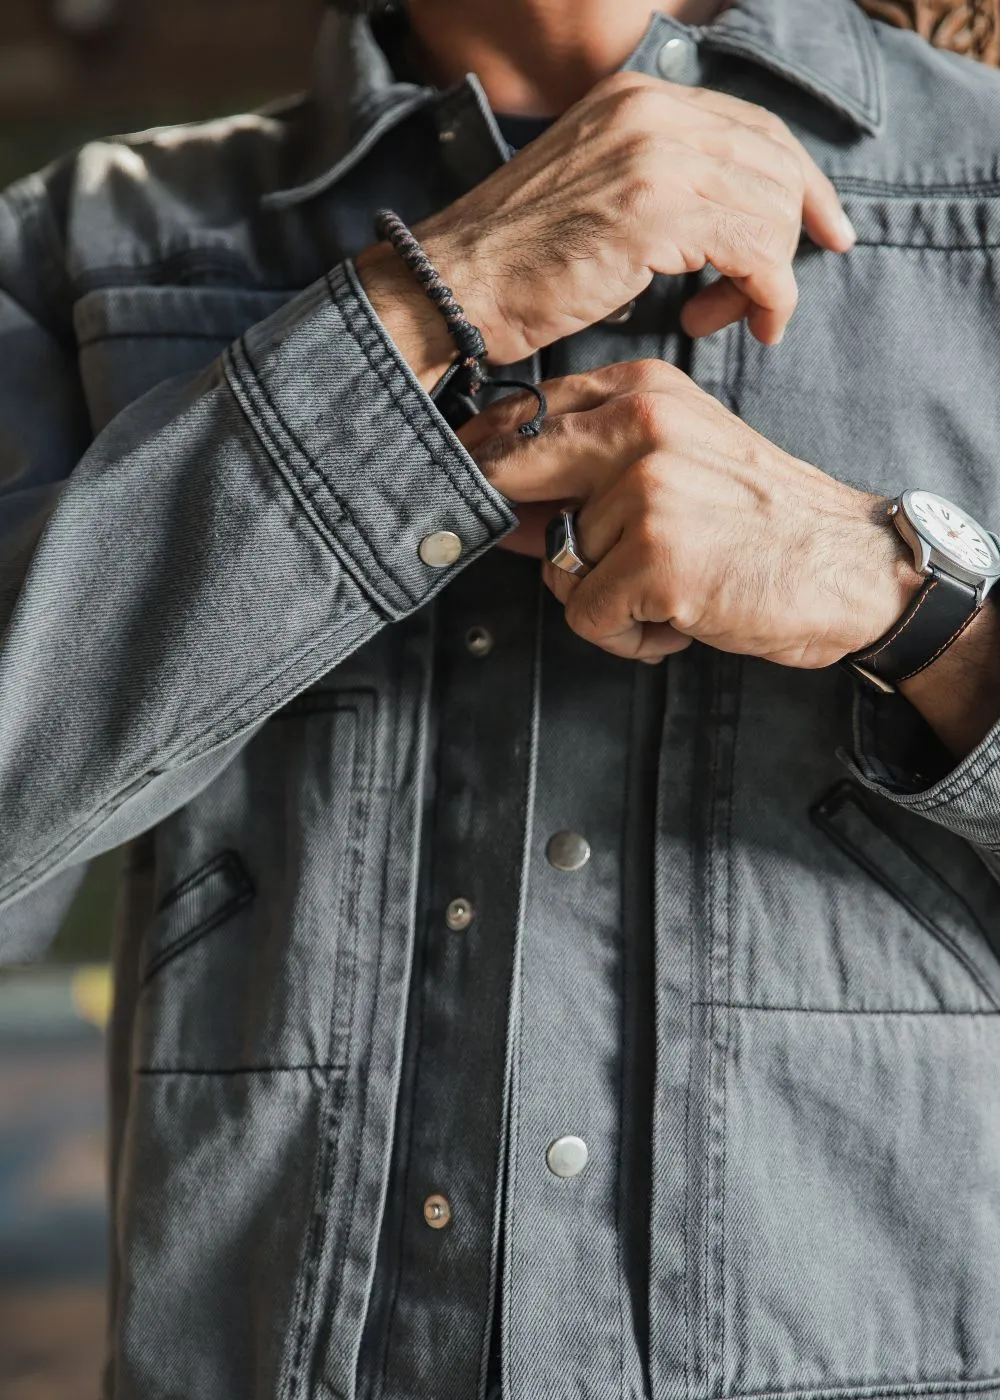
(215,472)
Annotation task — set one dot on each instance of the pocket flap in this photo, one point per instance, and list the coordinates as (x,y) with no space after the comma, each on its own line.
(217,314)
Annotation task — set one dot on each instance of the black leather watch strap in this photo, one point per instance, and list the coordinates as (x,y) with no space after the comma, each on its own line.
(938,616)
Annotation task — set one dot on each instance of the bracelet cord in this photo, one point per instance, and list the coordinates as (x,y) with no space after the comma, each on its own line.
(472,348)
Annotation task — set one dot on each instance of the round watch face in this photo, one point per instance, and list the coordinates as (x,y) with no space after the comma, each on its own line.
(953,532)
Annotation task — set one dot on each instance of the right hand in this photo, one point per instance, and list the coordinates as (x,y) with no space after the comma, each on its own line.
(640,177)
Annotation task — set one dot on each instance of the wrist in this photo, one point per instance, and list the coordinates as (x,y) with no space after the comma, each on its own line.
(889,580)
(413,322)
(469,269)
(959,693)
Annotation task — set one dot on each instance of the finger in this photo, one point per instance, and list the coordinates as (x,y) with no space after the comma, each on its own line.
(577,456)
(638,641)
(559,583)
(744,249)
(823,214)
(602,610)
(573,393)
(714,307)
(723,304)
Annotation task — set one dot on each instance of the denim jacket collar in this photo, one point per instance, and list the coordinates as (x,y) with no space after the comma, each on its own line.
(826,47)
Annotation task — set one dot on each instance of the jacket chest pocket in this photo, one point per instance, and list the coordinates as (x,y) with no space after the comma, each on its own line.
(132,338)
(889,371)
(252,957)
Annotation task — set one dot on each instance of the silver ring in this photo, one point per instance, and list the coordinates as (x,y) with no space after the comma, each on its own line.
(561,547)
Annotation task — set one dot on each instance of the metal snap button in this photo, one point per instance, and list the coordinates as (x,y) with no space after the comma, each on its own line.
(437,1212)
(675,59)
(623,314)
(440,549)
(459,914)
(479,641)
(566,1157)
(568,850)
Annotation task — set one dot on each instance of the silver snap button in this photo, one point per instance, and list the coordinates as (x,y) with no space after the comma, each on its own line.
(566,1157)
(674,60)
(447,134)
(459,915)
(437,1212)
(568,850)
(479,641)
(623,314)
(440,549)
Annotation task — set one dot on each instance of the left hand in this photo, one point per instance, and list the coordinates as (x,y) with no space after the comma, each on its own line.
(697,526)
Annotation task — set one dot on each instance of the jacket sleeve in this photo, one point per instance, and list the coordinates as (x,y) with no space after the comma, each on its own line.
(225,541)
(896,755)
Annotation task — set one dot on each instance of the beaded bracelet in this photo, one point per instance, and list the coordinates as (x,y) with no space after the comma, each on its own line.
(470,366)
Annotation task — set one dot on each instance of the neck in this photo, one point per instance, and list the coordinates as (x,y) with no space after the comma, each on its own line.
(537,57)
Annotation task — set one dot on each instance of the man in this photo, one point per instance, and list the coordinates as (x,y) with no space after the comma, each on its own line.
(494,1014)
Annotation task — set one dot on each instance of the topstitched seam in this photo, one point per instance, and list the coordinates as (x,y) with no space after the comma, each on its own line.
(326,1166)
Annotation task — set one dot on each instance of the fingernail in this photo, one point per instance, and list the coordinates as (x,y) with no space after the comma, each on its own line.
(848,229)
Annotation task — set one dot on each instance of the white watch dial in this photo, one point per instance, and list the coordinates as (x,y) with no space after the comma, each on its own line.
(953,532)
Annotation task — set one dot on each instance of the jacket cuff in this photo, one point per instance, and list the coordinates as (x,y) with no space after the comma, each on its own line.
(361,444)
(916,774)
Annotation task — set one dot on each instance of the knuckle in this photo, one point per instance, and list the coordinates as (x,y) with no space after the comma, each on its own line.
(681,613)
(645,485)
(753,242)
(648,413)
(731,144)
(786,191)
(792,171)
(650,376)
(638,194)
(634,104)
(622,81)
(770,124)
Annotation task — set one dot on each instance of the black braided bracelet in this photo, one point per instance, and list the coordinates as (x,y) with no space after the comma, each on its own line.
(472,347)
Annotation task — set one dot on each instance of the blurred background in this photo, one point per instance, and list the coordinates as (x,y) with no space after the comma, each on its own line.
(71,70)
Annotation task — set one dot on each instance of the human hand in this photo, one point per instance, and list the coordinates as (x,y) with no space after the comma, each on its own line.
(696,526)
(640,177)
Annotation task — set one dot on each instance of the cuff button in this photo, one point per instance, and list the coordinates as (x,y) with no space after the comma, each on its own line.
(440,549)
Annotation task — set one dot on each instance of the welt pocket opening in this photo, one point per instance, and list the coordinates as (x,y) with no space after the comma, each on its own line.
(199,904)
(328,701)
(850,821)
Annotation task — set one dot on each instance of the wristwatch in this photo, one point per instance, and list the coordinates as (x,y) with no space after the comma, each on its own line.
(960,561)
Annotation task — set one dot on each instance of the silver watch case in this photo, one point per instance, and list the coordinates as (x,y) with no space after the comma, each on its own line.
(928,558)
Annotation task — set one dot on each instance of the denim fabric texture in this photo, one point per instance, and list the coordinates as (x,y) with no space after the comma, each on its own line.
(769,1001)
